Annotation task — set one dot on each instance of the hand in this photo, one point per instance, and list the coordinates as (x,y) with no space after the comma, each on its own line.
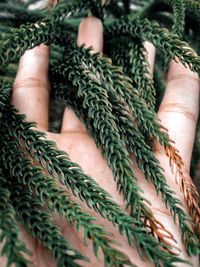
(178,113)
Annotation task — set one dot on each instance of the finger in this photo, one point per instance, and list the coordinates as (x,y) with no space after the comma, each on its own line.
(71,123)
(31,88)
(151,52)
(180,107)
(91,34)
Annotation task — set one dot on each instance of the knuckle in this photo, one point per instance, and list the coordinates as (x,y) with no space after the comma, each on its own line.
(29,83)
(177,108)
(183,78)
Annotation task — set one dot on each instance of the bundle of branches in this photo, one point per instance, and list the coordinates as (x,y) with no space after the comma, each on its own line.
(117,100)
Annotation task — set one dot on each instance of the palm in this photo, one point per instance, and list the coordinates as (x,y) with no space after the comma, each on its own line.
(81,148)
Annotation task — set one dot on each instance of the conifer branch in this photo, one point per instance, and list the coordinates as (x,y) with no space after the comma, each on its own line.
(46,31)
(153,172)
(99,112)
(13,46)
(178,26)
(18,165)
(178,7)
(20,13)
(132,56)
(133,139)
(189,191)
(167,42)
(71,175)
(146,118)
(66,9)
(155,226)
(152,167)
(13,247)
(61,93)
(113,96)
(38,222)
(187,187)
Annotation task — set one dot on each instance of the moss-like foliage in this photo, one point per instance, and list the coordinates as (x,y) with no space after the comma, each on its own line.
(116,97)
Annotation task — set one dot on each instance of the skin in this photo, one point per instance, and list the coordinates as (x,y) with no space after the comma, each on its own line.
(178,113)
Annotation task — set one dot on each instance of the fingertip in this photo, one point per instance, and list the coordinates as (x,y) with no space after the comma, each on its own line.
(90,33)
(177,69)
(34,64)
(151,52)
(40,52)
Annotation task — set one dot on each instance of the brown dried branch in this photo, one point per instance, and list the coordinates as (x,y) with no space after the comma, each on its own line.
(158,230)
(186,185)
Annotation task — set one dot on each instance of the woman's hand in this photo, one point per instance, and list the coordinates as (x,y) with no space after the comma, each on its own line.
(178,113)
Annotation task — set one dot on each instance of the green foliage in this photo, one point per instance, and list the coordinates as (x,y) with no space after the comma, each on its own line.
(71,175)
(13,247)
(57,199)
(128,131)
(38,223)
(132,57)
(116,99)
(179,16)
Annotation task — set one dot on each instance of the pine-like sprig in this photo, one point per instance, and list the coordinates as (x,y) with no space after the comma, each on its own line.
(132,57)
(167,42)
(11,244)
(19,14)
(170,46)
(94,95)
(155,226)
(132,125)
(132,138)
(178,7)
(61,92)
(12,46)
(19,167)
(38,222)
(71,175)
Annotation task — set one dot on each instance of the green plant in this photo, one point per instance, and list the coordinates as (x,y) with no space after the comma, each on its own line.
(118,110)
